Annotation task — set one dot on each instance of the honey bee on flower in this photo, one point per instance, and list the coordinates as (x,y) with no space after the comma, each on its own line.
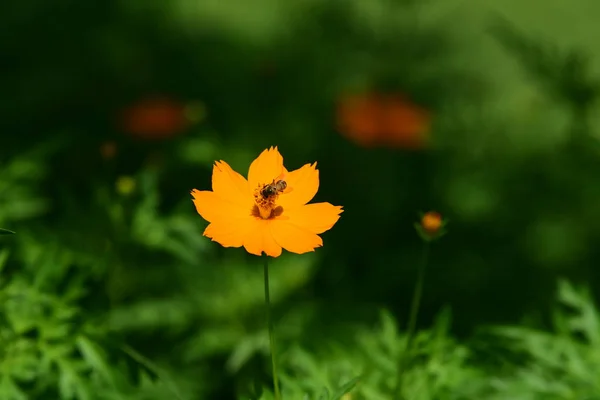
(279,185)
(267,212)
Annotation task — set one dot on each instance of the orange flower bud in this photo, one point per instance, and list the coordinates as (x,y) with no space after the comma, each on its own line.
(431,222)
(431,226)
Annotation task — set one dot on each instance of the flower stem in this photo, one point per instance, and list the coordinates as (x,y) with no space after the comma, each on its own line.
(271,330)
(412,319)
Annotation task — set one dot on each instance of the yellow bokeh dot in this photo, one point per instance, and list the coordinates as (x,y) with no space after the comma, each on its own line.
(125,185)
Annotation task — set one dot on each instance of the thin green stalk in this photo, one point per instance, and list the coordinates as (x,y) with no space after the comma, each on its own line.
(412,319)
(271,330)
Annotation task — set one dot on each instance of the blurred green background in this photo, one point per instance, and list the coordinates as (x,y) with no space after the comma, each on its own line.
(113,111)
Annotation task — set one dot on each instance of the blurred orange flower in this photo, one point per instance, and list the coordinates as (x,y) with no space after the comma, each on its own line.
(155,118)
(373,119)
(267,212)
(431,226)
(431,222)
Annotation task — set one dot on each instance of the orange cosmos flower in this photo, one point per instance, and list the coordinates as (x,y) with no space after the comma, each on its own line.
(357,119)
(267,212)
(388,120)
(160,118)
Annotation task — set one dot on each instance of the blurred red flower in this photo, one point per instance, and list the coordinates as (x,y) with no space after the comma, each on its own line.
(156,118)
(388,120)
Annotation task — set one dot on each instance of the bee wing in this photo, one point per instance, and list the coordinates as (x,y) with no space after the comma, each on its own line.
(282,177)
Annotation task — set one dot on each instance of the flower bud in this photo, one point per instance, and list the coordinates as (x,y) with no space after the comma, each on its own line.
(431,226)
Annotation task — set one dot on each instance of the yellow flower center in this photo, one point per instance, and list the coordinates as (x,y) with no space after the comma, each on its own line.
(265,197)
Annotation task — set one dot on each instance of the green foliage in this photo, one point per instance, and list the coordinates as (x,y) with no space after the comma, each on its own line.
(563,364)
(20,197)
(109,290)
(51,349)
(44,350)
(56,343)
(367,368)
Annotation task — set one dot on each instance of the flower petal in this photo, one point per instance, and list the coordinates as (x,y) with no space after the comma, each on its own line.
(252,233)
(293,238)
(303,184)
(230,185)
(227,232)
(211,206)
(265,168)
(259,239)
(316,217)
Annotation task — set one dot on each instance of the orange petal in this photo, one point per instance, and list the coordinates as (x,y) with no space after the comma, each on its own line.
(293,238)
(316,218)
(252,233)
(303,184)
(230,185)
(228,232)
(265,168)
(259,239)
(211,206)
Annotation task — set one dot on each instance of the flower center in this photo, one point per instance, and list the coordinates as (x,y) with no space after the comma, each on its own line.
(265,197)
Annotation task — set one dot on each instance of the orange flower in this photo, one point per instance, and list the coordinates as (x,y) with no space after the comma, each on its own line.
(431,222)
(406,125)
(155,118)
(373,119)
(357,118)
(267,212)
(431,226)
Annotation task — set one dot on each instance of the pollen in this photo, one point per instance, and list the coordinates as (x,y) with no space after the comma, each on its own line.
(266,206)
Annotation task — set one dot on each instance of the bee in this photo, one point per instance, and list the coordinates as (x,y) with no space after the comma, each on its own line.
(274,188)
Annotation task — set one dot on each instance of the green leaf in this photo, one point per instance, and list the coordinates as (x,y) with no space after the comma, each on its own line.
(324,394)
(6,232)
(9,390)
(3,257)
(163,376)
(70,384)
(346,388)
(244,351)
(94,356)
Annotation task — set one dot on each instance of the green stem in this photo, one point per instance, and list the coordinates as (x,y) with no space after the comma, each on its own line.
(416,301)
(271,330)
(412,319)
